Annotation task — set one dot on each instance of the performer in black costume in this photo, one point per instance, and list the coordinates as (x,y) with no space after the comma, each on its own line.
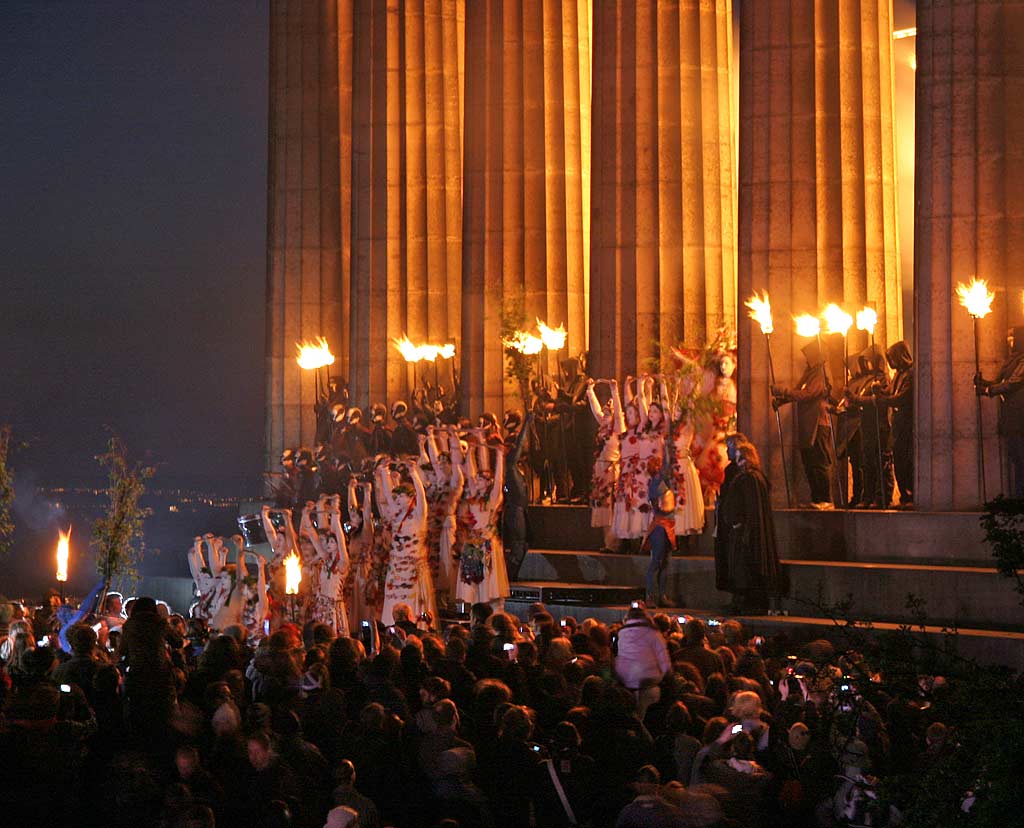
(746,560)
(811,398)
(900,398)
(850,442)
(514,521)
(874,429)
(1009,386)
(404,439)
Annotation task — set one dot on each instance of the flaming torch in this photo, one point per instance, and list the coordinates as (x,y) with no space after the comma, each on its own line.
(523,342)
(808,326)
(292,579)
(977,298)
(838,321)
(312,355)
(63,551)
(866,321)
(761,312)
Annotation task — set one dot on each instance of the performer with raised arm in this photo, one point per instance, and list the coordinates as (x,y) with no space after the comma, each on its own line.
(482,576)
(610,425)
(255,605)
(689,498)
(631,511)
(517,498)
(362,595)
(280,531)
(329,563)
(449,480)
(408,578)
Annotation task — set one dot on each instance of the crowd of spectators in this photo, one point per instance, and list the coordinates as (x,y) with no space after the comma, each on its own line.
(503,722)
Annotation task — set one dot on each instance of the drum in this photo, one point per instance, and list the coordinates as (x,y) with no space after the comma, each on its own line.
(251,527)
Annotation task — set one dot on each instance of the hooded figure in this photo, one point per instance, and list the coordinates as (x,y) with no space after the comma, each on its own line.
(811,398)
(404,440)
(900,398)
(848,426)
(1009,387)
(877,459)
(581,428)
(380,436)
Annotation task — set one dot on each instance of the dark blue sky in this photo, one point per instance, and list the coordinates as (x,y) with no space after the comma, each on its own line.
(132,229)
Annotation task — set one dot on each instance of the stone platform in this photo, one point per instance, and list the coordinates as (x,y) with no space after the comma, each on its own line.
(875,560)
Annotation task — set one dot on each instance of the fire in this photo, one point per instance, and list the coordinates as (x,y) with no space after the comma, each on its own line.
(553,338)
(524,342)
(866,320)
(313,354)
(837,321)
(427,353)
(63,551)
(292,574)
(807,325)
(976,297)
(761,312)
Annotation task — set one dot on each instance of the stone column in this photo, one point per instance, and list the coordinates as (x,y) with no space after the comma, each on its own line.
(970,222)
(524,215)
(817,195)
(663,239)
(304,232)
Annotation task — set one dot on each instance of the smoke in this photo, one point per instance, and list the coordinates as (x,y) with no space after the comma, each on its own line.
(34,511)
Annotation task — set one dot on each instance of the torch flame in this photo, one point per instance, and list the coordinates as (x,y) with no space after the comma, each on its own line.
(63,550)
(807,325)
(427,353)
(976,297)
(761,312)
(553,338)
(446,351)
(525,343)
(409,352)
(292,574)
(313,354)
(866,320)
(837,321)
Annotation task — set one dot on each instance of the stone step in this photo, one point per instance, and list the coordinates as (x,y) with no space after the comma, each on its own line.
(983,645)
(840,535)
(954,595)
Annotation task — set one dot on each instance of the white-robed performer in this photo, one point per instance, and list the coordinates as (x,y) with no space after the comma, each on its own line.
(330,562)
(226,596)
(610,425)
(408,578)
(685,477)
(641,447)
(482,575)
(448,472)
(363,597)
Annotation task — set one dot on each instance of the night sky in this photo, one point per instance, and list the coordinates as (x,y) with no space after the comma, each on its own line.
(133,147)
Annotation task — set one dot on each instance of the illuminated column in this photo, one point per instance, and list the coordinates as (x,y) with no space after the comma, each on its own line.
(524,214)
(817,195)
(969,222)
(306,265)
(663,236)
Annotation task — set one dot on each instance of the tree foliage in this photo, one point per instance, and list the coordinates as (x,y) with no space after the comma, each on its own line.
(118,535)
(1003,521)
(6,492)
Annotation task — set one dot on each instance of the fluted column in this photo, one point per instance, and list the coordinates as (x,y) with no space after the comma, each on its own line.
(663,237)
(524,216)
(817,204)
(407,195)
(304,232)
(970,221)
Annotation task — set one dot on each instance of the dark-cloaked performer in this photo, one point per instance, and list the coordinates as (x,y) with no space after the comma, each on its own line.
(900,398)
(517,496)
(1009,386)
(874,429)
(848,424)
(746,560)
(811,398)
(404,440)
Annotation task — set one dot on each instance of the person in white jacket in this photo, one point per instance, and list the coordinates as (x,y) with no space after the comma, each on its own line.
(641,658)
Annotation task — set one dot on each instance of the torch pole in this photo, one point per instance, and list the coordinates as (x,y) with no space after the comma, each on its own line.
(831,424)
(778,423)
(878,440)
(981,444)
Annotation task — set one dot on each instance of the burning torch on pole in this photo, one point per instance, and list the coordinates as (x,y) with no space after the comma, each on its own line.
(292,579)
(63,553)
(977,298)
(312,356)
(761,312)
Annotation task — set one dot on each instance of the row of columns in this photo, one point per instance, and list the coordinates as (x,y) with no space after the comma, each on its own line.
(435,164)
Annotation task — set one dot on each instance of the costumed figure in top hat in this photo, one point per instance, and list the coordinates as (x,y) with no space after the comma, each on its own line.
(1009,387)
